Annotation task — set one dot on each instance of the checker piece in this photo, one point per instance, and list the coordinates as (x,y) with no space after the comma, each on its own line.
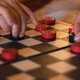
(70,29)
(49,20)
(49,34)
(75,47)
(71,37)
(9,54)
(42,27)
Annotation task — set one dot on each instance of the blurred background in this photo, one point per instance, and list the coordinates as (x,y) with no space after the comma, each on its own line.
(64,10)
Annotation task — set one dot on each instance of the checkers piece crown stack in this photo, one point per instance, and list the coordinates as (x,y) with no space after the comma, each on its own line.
(9,54)
(49,34)
(70,29)
(75,47)
(42,27)
(49,20)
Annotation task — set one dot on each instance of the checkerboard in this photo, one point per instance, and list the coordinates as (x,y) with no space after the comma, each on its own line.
(39,60)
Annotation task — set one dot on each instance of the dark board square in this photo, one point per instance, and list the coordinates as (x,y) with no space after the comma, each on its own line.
(42,73)
(8,70)
(75,75)
(8,37)
(44,59)
(68,49)
(38,37)
(44,47)
(13,45)
(44,40)
(74,61)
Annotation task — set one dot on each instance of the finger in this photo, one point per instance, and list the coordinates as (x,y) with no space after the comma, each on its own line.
(28,12)
(4,24)
(22,18)
(76,28)
(77,24)
(23,28)
(16,27)
(73,30)
(77,37)
(11,17)
(7,15)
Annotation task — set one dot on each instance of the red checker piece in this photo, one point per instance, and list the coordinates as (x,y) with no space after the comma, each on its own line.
(49,20)
(70,29)
(42,27)
(75,47)
(49,34)
(9,54)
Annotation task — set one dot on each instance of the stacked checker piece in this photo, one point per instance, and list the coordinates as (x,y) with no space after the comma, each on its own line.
(44,28)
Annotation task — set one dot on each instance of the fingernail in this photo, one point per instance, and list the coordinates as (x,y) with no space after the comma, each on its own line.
(36,22)
(21,35)
(11,23)
(77,39)
(15,35)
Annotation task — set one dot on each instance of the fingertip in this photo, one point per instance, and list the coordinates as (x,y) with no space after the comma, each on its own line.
(77,37)
(35,22)
(15,30)
(21,35)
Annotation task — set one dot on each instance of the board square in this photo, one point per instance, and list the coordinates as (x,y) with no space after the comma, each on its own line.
(1,62)
(25,65)
(4,40)
(74,74)
(30,42)
(61,67)
(60,34)
(13,45)
(21,76)
(8,37)
(44,72)
(60,26)
(44,59)
(1,50)
(8,70)
(27,52)
(74,61)
(31,25)
(32,33)
(60,77)
(59,43)
(43,47)
(61,54)
(2,32)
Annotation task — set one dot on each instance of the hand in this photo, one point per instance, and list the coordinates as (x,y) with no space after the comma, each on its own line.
(76,28)
(15,14)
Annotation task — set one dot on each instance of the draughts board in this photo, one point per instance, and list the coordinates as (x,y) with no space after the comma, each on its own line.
(39,60)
